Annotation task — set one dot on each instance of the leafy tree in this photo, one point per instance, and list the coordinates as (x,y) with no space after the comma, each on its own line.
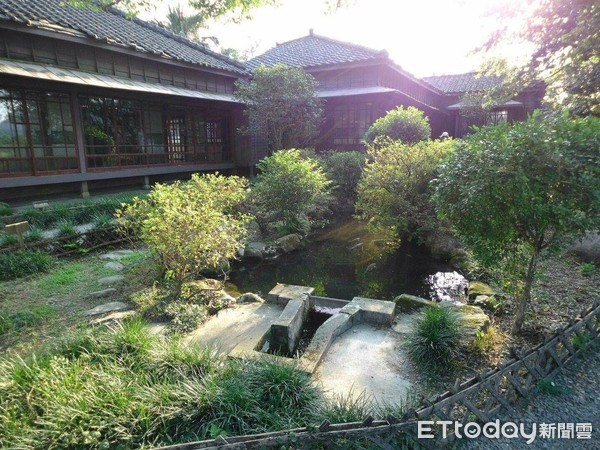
(408,125)
(345,169)
(566,56)
(214,9)
(287,188)
(189,226)
(282,106)
(181,23)
(394,193)
(513,191)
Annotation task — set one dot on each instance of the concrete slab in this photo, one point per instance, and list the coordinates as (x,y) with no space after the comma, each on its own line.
(378,312)
(238,327)
(367,359)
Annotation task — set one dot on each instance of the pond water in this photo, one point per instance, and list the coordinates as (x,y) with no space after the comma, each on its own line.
(346,260)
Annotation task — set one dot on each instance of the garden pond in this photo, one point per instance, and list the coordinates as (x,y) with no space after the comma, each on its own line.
(346,260)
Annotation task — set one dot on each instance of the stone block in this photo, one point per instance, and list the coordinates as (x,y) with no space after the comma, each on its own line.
(377,312)
(285,332)
(321,341)
(410,303)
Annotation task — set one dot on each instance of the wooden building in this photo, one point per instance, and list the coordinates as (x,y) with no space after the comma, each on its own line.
(360,85)
(91,99)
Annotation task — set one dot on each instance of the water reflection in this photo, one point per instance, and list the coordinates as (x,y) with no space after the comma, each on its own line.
(346,260)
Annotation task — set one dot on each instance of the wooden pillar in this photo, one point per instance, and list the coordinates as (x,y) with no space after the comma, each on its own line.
(85,193)
(78,131)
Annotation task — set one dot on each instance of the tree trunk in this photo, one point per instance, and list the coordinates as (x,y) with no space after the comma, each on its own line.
(524,299)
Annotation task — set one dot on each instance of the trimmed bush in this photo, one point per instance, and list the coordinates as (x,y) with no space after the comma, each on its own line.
(434,341)
(16,264)
(408,125)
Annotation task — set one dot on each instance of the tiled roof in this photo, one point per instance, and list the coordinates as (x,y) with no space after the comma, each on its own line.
(314,50)
(464,82)
(112,27)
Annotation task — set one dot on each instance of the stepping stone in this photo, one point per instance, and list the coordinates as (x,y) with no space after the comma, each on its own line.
(103,293)
(113,265)
(116,255)
(106,308)
(113,317)
(107,281)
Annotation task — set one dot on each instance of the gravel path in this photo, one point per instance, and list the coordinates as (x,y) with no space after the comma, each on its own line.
(577,402)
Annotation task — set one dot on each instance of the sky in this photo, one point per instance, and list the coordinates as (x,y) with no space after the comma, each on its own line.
(425,37)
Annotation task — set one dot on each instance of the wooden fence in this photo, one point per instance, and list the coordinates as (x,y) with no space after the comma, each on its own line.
(479,398)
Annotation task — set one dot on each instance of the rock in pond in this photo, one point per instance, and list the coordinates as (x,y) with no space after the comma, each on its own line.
(289,243)
(478,288)
(254,250)
(409,303)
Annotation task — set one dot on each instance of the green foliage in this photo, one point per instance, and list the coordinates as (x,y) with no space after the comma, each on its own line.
(345,169)
(287,188)
(83,212)
(9,240)
(33,235)
(16,264)
(125,388)
(394,194)
(434,341)
(13,321)
(408,125)
(587,269)
(487,341)
(549,388)
(282,106)
(185,317)
(565,56)
(66,228)
(5,209)
(513,190)
(582,341)
(189,226)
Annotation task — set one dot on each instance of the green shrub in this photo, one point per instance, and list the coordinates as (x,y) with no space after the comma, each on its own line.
(587,269)
(16,264)
(394,193)
(408,125)
(434,340)
(344,169)
(189,226)
(286,189)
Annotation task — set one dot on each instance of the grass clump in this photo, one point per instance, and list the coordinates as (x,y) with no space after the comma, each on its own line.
(487,341)
(66,227)
(434,341)
(33,235)
(5,209)
(125,388)
(16,320)
(587,269)
(16,264)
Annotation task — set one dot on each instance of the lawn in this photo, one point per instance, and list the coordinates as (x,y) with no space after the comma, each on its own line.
(38,307)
